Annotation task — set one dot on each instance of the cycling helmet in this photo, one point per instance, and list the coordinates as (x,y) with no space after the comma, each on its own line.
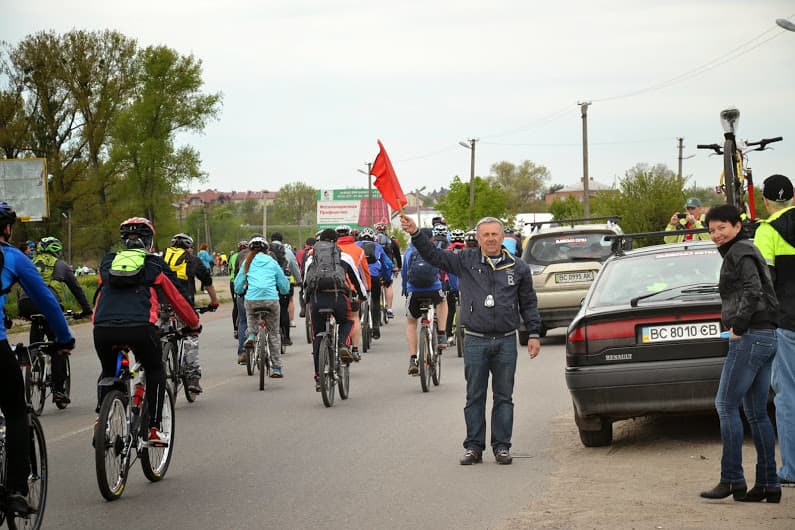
(182,241)
(439,230)
(355,233)
(380,227)
(51,245)
(343,230)
(368,234)
(242,244)
(258,243)
(137,232)
(470,239)
(457,234)
(7,214)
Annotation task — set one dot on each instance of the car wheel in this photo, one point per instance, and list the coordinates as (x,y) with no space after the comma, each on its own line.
(600,438)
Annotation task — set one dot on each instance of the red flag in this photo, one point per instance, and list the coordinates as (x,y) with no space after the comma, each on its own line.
(386,181)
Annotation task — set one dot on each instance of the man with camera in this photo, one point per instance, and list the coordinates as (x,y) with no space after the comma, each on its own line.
(686,221)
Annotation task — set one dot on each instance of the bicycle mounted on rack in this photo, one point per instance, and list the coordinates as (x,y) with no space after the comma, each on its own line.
(736,181)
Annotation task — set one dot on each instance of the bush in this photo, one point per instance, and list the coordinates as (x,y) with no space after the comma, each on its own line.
(88,283)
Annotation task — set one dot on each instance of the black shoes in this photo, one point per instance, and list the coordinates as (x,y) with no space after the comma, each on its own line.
(60,398)
(471,457)
(787,483)
(376,333)
(503,456)
(18,503)
(414,369)
(761,493)
(724,489)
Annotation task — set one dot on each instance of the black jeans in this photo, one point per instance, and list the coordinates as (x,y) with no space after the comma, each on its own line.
(12,403)
(339,303)
(145,343)
(375,303)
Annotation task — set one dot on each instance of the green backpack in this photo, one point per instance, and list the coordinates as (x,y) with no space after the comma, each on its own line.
(127,268)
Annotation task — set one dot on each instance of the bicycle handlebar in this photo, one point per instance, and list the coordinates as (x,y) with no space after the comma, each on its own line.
(763,143)
(715,147)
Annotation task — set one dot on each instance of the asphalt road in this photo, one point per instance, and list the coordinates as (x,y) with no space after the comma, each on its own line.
(385,458)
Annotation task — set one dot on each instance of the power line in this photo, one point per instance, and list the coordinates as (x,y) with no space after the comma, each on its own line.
(622,142)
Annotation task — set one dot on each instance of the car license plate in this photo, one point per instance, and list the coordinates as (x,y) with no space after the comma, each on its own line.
(672,332)
(573,277)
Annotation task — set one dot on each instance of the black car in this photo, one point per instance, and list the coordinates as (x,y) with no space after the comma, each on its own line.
(648,338)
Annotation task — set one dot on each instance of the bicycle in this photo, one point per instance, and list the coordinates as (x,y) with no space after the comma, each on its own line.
(332,371)
(258,355)
(736,180)
(37,479)
(172,341)
(460,329)
(38,373)
(384,314)
(121,432)
(429,356)
(365,320)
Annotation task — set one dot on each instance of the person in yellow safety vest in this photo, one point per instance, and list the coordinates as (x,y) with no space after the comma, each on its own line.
(686,221)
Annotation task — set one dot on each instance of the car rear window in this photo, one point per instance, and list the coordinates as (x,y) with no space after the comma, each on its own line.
(558,248)
(631,276)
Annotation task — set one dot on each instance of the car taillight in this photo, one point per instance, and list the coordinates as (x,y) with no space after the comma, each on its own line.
(536,269)
(576,340)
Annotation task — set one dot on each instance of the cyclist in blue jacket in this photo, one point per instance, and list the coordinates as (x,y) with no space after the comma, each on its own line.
(17,267)
(381,273)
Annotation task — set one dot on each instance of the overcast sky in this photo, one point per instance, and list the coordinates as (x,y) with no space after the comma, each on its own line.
(309,85)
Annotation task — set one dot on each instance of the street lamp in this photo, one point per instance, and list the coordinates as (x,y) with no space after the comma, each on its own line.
(369,188)
(68,217)
(471,147)
(786,24)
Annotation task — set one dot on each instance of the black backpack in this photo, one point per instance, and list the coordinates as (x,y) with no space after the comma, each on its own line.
(369,251)
(421,273)
(326,273)
(278,253)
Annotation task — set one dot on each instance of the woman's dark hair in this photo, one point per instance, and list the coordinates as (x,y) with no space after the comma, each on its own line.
(723,212)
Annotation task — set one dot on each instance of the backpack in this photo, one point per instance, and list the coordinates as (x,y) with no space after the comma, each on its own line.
(385,242)
(420,272)
(45,263)
(277,253)
(127,268)
(326,273)
(177,260)
(369,251)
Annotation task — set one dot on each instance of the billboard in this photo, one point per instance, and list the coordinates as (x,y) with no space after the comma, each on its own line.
(23,185)
(350,206)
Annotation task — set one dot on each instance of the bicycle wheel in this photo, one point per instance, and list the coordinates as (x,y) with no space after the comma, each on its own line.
(190,396)
(111,435)
(344,376)
(436,367)
(308,326)
(250,360)
(326,371)
(261,358)
(423,358)
(67,384)
(730,180)
(364,311)
(37,480)
(35,382)
(155,460)
(170,364)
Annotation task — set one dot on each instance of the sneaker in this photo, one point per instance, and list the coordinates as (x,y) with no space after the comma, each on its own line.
(194,387)
(18,503)
(242,358)
(503,456)
(471,457)
(376,334)
(60,398)
(292,323)
(157,438)
(286,341)
(250,340)
(414,369)
(302,313)
(235,334)
(276,373)
(345,354)
(356,355)
(317,383)
(389,314)
(442,341)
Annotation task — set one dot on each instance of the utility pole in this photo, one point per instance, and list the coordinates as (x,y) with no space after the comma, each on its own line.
(369,188)
(264,215)
(681,146)
(471,147)
(207,230)
(585,193)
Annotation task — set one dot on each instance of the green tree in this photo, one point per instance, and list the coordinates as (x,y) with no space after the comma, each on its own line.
(523,184)
(296,205)
(14,137)
(568,208)
(647,197)
(490,200)
(169,101)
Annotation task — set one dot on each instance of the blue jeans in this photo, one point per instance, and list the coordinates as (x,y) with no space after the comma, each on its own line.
(746,378)
(783,383)
(242,323)
(481,357)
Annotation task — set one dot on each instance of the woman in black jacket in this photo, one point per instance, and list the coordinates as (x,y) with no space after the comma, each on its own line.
(748,310)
